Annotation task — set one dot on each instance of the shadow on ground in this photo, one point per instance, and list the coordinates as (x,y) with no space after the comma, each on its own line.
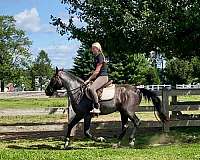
(145,137)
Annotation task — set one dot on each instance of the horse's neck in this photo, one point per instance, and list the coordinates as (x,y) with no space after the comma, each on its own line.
(70,85)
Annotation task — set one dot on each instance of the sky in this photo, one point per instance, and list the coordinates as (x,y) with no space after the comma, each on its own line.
(33,16)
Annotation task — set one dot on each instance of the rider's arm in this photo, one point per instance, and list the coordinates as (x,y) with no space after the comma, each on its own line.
(96,72)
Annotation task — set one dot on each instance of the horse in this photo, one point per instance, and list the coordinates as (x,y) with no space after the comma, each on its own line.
(126,100)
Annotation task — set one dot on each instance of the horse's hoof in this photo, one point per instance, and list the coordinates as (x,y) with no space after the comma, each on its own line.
(101,139)
(132,143)
(66,145)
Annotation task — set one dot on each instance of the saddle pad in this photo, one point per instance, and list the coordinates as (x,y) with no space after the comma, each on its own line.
(108,92)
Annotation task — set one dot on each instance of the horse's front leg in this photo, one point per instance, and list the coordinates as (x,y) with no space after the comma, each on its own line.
(87,122)
(74,121)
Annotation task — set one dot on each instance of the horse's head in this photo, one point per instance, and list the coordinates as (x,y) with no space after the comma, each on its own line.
(54,84)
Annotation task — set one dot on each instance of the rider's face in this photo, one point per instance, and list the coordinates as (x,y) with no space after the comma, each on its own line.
(95,50)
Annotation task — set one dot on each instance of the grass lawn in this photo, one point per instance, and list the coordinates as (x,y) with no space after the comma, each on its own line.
(179,144)
(189,98)
(62,102)
(173,152)
(33,119)
(32,102)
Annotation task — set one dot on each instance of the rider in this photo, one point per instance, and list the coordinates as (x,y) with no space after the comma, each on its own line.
(99,76)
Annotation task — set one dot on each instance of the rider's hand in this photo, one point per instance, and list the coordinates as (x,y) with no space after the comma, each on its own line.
(87,81)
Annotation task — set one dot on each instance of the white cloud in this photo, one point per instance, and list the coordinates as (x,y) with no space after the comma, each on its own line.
(28,20)
(61,55)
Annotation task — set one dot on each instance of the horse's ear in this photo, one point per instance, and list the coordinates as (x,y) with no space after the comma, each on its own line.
(56,70)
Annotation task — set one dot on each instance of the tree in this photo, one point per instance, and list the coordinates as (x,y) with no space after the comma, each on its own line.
(14,51)
(152,76)
(133,68)
(41,69)
(83,63)
(178,72)
(196,70)
(123,26)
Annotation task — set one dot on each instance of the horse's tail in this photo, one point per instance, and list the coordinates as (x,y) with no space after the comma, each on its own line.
(149,95)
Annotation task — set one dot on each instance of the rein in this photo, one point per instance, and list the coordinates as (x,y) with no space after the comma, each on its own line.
(77,90)
(77,93)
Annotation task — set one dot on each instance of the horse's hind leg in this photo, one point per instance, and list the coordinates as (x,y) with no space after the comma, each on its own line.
(74,121)
(136,123)
(124,119)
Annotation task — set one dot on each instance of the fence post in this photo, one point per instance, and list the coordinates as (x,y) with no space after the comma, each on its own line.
(174,113)
(165,108)
(71,115)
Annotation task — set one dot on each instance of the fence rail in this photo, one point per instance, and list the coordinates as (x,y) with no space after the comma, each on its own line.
(170,106)
(176,117)
(178,86)
(23,94)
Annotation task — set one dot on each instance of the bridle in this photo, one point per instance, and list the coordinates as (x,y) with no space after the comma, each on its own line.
(56,80)
(79,90)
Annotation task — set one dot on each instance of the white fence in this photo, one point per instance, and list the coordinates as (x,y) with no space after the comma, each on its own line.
(157,87)
(189,86)
(63,92)
(178,86)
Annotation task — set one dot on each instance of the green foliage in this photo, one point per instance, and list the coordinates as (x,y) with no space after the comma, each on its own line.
(196,69)
(42,68)
(132,69)
(34,119)
(152,76)
(32,102)
(39,149)
(83,63)
(183,71)
(14,51)
(179,71)
(127,68)
(123,68)
(42,65)
(139,26)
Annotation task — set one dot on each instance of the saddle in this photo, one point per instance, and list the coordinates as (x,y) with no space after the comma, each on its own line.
(106,92)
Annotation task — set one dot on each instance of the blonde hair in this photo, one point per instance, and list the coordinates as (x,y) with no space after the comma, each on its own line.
(97,44)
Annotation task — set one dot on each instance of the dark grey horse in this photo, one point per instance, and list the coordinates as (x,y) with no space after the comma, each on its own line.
(126,100)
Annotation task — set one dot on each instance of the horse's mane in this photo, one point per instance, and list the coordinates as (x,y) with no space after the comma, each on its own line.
(74,77)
